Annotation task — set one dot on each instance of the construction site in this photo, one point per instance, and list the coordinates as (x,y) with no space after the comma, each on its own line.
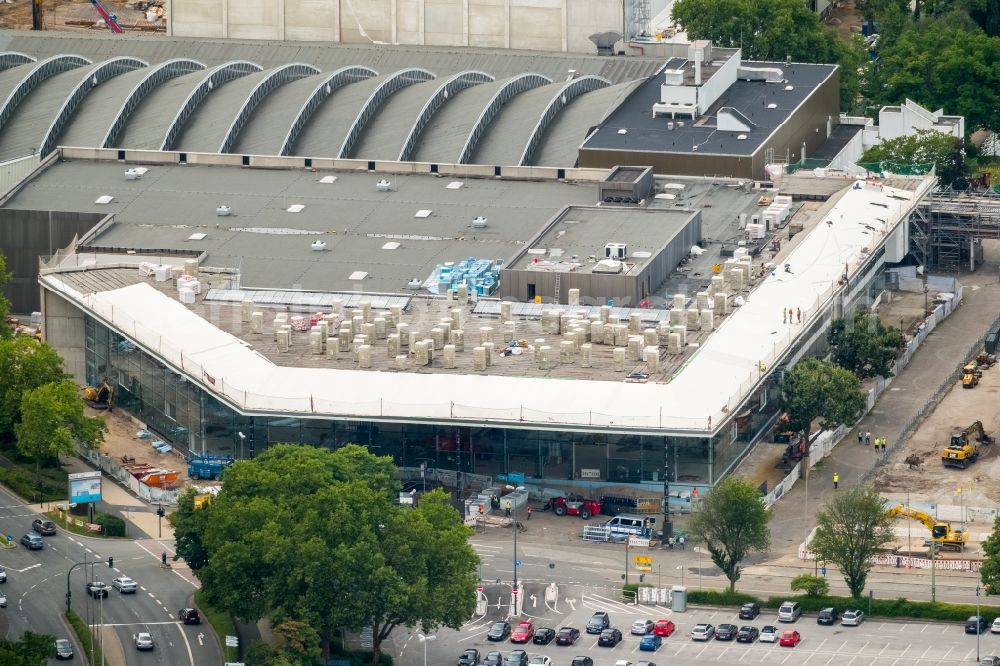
(83,15)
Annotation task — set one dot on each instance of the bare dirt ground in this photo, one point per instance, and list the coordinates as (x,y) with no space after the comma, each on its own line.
(121,441)
(845,19)
(71,15)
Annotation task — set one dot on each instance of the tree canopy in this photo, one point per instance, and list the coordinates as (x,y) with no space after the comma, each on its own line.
(864,345)
(53,421)
(732,522)
(25,364)
(305,534)
(816,388)
(30,649)
(989,572)
(849,530)
(945,152)
(5,331)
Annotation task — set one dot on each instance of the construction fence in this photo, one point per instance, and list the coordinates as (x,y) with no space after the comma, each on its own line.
(138,488)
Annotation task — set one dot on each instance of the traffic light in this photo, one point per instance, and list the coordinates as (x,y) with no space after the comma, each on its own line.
(111,563)
(160,512)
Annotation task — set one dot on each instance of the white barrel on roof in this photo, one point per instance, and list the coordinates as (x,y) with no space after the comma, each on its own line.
(393,344)
(458,339)
(701,298)
(651,356)
(395,312)
(315,342)
(489,355)
(509,331)
(586,355)
(674,343)
(437,336)
(421,355)
(429,343)
(186,296)
(681,331)
(365,356)
(332,348)
(402,361)
(366,310)
(345,334)
(449,356)
(479,359)
(676,317)
(246,309)
(650,337)
(415,337)
(605,313)
(337,305)
(506,308)
(597,332)
(635,347)
(404,334)
(456,317)
(635,323)
(369,331)
(680,300)
(573,297)
(618,359)
(381,327)
(721,303)
(707,322)
(257,322)
(567,348)
(692,319)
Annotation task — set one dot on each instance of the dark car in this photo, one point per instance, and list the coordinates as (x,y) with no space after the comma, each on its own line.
(567,636)
(726,632)
(599,621)
(498,632)
(749,611)
(610,637)
(582,661)
(32,542)
(747,635)
(189,616)
(494,658)
(44,527)
(516,658)
(98,589)
(976,625)
(827,616)
(543,636)
(64,649)
(469,658)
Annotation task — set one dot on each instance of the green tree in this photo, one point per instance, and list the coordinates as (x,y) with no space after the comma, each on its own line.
(24,364)
(30,650)
(189,527)
(319,537)
(5,331)
(813,586)
(816,388)
(864,345)
(53,421)
(989,572)
(944,151)
(733,524)
(851,528)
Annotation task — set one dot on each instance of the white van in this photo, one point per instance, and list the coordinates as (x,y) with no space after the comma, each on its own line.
(629,523)
(789,611)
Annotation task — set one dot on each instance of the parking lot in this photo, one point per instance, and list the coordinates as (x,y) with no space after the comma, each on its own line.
(874,643)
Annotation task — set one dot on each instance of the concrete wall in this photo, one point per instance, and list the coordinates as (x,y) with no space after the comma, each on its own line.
(27,235)
(546,25)
(63,328)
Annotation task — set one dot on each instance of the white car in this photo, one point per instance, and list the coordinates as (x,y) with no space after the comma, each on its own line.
(641,627)
(3,600)
(702,632)
(995,627)
(769,634)
(124,584)
(3,575)
(540,660)
(144,641)
(854,618)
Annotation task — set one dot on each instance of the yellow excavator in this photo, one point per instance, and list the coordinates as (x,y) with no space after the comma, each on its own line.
(941,532)
(99,397)
(963,450)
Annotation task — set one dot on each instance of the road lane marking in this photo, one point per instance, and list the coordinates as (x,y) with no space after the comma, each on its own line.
(188,646)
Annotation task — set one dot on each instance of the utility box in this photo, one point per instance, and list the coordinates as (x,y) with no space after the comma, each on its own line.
(678,599)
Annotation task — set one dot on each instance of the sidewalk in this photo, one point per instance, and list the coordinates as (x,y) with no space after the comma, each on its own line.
(939,355)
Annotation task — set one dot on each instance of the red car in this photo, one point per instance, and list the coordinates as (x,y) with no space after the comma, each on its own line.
(575,505)
(663,628)
(522,632)
(789,638)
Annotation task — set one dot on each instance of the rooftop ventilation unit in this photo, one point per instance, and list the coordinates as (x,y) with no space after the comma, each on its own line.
(479,222)
(616,251)
(605,41)
(223,210)
(383,185)
(318,246)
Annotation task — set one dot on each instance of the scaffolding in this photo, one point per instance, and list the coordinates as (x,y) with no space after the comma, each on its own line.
(947,229)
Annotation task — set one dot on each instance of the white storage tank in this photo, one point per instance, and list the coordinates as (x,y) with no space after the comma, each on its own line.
(332,348)
(479,359)
(618,359)
(586,350)
(449,356)
(365,356)
(257,322)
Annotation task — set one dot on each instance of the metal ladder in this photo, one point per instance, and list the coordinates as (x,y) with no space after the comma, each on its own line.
(558,284)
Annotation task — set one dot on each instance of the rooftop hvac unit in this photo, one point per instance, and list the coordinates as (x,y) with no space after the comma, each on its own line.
(383,185)
(479,222)
(616,251)
(605,41)
(223,210)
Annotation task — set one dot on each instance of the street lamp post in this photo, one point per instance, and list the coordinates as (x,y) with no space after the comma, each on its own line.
(979,627)
(425,640)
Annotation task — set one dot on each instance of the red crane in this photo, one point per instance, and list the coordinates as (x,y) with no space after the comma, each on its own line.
(109,19)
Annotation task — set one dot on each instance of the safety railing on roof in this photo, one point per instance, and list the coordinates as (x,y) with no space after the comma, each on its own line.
(337,79)
(157,75)
(452,85)
(513,87)
(393,84)
(265,87)
(41,71)
(566,94)
(95,77)
(215,77)
(11,59)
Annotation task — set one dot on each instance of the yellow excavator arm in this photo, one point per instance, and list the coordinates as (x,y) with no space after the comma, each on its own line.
(941,532)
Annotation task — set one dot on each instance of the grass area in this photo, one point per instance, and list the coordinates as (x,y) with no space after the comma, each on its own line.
(221,622)
(62,519)
(18,474)
(901,608)
(86,639)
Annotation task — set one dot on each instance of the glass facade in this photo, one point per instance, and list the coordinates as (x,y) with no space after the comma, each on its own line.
(191,418)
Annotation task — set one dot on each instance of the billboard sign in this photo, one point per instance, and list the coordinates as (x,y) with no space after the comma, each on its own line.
(84,487)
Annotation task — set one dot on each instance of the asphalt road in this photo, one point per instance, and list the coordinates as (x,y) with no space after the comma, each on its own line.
(36,593)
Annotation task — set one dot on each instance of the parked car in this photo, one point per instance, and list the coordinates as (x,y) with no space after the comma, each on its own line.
(641,627)
(827,616)
(144,641)
(64,649)
(644,663)
(574,505)
(610,637)
(975,625)
(543,636)
(702,632)
(749,611)
(995,627)
(494,658)
(32,542)
(747,634)
(567,636)
(3,575)
(789,611)
(43,527)
(540,660)
(726,632)
(790,638)
(469,658)
(124,584)
(852,618)
(650,643)
(189,616)
(3,600)
(582,661)
(990,661)
(98,589)
(522,632)
(768,634)
(498,632)
(664,628)
(599,621)
(516,658)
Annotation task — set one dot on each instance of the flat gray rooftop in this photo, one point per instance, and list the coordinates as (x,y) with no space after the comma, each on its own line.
(273,247)
(581,233)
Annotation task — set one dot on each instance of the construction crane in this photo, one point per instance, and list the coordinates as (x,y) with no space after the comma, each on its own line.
(109,19)
(941,532)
